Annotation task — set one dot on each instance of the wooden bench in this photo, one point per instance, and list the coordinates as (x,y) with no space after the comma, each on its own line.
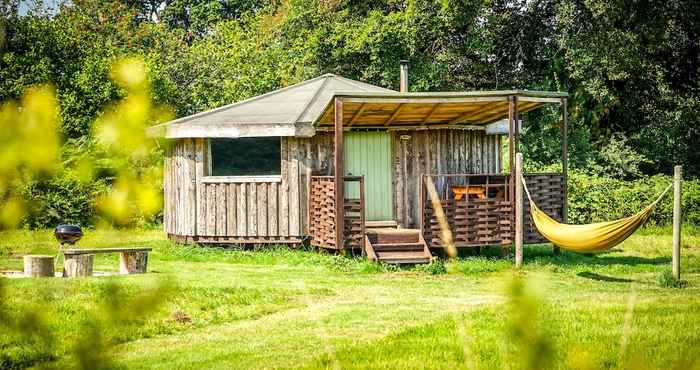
(78,262)
(478,191)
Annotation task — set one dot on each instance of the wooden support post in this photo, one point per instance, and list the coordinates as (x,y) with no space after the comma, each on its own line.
(516,126)
(339,172)
(564,165)
(76,265)
(38,266)
(519,210)
(511,146)
(133,263)
(677,220)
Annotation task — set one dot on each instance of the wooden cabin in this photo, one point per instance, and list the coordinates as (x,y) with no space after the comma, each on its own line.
(293,164)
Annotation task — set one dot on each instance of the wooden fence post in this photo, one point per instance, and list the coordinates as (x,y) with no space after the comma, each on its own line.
(677,220)
(518,210)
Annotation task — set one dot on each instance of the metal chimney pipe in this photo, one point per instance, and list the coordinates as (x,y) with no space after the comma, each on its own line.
(403,83)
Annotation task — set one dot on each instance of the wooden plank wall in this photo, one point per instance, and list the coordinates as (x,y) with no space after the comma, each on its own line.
(436,152)
(179,190)
(195,207)
(244,209)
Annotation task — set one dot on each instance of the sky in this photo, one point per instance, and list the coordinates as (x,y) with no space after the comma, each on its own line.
(48,5)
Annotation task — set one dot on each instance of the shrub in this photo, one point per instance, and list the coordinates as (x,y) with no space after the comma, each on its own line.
(61,199)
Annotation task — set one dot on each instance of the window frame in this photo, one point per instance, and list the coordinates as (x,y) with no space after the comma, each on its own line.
(211,179)
(241,179)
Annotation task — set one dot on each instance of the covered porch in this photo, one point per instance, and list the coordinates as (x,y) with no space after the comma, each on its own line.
(475,193)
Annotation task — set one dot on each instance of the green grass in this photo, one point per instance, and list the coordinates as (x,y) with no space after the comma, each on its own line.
(277,307)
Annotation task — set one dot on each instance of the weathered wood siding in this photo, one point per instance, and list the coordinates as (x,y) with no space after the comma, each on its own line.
(179,188)
(436,152)
(249,210)
(194,206)
(197,206)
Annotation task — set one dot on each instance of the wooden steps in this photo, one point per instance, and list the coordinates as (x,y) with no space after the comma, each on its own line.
(396,246)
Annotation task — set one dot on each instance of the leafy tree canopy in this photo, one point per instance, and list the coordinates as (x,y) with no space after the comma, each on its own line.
(631,67)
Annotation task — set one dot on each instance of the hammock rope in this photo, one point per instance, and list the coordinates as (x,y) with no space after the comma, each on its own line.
(588,238)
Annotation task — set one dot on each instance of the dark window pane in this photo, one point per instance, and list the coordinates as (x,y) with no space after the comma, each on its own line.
(245,156)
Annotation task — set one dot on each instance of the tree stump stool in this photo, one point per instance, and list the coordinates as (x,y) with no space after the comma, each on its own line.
(77,265)
(38,265)
(133,262)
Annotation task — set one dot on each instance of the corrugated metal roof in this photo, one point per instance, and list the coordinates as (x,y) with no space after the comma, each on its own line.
(284,112)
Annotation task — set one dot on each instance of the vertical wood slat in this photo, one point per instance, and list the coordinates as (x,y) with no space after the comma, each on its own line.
(230,209)
(252,210)
(180,188)
(261,193)
(211,209)
(190,179)
(272,212)
(201,213)
(283,220)
(305,164)
(241,210)
(293,176)
(221,209)
(166,192)
(176,192)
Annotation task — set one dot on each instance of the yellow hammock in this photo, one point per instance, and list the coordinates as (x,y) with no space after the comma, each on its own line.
(588,238)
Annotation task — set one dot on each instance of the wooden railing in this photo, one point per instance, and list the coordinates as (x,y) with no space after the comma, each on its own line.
(547,190)
(479,207)
(322,220)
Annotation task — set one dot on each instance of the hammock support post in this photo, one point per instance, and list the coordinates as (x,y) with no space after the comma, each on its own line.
(677,220)
(519,210)
(564,163)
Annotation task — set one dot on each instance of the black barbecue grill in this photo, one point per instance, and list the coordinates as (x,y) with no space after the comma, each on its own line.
(68,234)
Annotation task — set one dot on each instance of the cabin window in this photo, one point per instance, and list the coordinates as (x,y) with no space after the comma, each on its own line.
(254,156)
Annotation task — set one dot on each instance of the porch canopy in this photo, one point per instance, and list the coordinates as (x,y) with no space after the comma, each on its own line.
(394,109)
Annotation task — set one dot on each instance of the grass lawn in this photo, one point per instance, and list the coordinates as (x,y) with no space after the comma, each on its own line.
(282,308)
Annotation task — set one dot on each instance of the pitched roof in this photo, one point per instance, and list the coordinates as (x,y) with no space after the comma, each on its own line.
(289,111)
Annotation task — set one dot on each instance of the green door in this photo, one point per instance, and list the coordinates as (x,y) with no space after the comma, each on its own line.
(369,154)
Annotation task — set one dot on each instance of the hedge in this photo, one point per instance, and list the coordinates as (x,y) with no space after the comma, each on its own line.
(594,199)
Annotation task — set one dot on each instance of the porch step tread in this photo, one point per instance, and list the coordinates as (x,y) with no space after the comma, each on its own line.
(381,224)
(401,255)
(386,247)
(407,261)
(387,231)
